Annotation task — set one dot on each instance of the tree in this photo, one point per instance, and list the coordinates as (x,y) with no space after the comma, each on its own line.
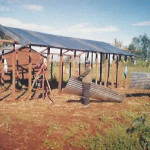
(118,43)
(141,46)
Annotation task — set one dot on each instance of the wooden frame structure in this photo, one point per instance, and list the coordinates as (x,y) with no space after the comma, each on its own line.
(115,68)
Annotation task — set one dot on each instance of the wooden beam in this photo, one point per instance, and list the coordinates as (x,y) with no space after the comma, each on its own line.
(96,59)
(30,72)
(60,72)
(113,71)
(106,71)
(13,73)
(101,67)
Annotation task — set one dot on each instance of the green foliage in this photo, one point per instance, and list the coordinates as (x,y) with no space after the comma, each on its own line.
(141,46)
(118,139)
(51,144)
(140,127)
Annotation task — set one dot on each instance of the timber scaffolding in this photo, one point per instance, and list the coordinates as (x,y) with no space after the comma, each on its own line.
(64,50)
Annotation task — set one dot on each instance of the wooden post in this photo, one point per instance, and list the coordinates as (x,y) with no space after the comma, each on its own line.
(60,73)
(62,69)
(30,72)
(96,67)
(101,67)
(70,64)
(52,67)
(119,72)
(113,70)
(106,70)
(74,65)
(2,73)
(17,62)
(13,73)
(125,81)
(79,66)
(86,58)
(48,63)
(92,61)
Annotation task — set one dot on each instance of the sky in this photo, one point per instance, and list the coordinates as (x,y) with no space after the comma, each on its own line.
(101,20)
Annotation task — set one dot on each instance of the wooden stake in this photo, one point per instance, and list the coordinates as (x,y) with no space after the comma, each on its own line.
(108,69)
(60,73)
(13,73)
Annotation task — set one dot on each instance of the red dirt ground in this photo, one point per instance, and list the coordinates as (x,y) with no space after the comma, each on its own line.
(26,124)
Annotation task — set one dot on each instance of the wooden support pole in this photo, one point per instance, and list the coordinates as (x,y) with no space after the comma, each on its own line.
(106,71)
(13,73)
(52,67)
(30,72)
(92,61)
(60,72)
(70,64)
(101,67)
(74,65)
(96,59)
(86,58)
(17,62)
(48,63)
(113,71)
(119,72)
(2,69)
(125,80)
(79,65)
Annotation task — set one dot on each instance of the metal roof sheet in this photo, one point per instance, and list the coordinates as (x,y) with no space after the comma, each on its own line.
(25,37)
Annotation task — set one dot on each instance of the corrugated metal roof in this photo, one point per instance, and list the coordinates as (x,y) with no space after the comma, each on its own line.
(25,37)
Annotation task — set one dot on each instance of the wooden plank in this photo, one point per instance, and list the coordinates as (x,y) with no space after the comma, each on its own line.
(101,67)
(113,70)
(60,73)
(13,73)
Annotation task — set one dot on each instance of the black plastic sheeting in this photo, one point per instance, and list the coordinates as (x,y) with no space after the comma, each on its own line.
(25,37)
